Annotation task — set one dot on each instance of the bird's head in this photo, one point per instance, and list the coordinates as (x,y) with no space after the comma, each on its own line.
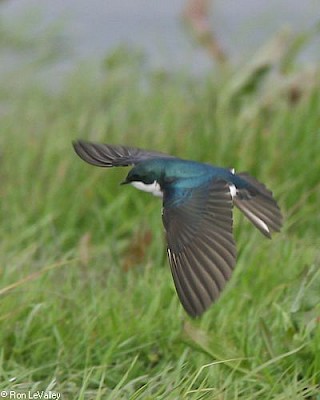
(143,173)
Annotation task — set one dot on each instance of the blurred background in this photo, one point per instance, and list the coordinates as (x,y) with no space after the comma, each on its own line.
(86,31)
(88,308)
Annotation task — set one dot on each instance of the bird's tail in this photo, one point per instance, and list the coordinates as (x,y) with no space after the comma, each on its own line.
(258,205)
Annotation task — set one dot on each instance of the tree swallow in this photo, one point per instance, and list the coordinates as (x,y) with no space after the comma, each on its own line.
(197,200)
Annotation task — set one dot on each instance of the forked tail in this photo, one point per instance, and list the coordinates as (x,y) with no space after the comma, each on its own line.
(258,205)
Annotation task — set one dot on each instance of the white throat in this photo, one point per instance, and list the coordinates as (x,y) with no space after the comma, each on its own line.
(233,190)
(153,188)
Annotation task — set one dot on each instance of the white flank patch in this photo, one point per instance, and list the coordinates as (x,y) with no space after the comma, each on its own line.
(233,190)
(153,188)
(258,221)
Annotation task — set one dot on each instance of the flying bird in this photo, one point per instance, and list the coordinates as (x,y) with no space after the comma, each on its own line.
(198,201)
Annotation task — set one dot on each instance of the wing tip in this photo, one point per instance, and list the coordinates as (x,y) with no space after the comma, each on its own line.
(76,143)
(91,153)
(78,147)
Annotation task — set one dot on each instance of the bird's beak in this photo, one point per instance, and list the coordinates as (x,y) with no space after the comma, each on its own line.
(125,182)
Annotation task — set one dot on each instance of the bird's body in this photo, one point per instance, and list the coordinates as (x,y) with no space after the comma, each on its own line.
(184,171)
(183,175)
(197,214)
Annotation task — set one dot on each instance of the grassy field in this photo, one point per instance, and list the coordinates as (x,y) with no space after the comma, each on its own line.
(88,306)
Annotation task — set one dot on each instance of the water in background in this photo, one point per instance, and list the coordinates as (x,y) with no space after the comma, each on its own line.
(92,28)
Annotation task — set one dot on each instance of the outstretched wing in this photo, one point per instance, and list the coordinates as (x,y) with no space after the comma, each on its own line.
(109,155)
(259,206)
(201,248)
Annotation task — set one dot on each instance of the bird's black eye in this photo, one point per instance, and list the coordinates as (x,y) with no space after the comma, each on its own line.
(134,177)
(147,180)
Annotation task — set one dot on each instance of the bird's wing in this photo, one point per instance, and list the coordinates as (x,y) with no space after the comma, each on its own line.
(108,155)
(200,244)
(259,206)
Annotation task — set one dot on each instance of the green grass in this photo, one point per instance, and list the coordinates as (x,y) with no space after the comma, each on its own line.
(89,312)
